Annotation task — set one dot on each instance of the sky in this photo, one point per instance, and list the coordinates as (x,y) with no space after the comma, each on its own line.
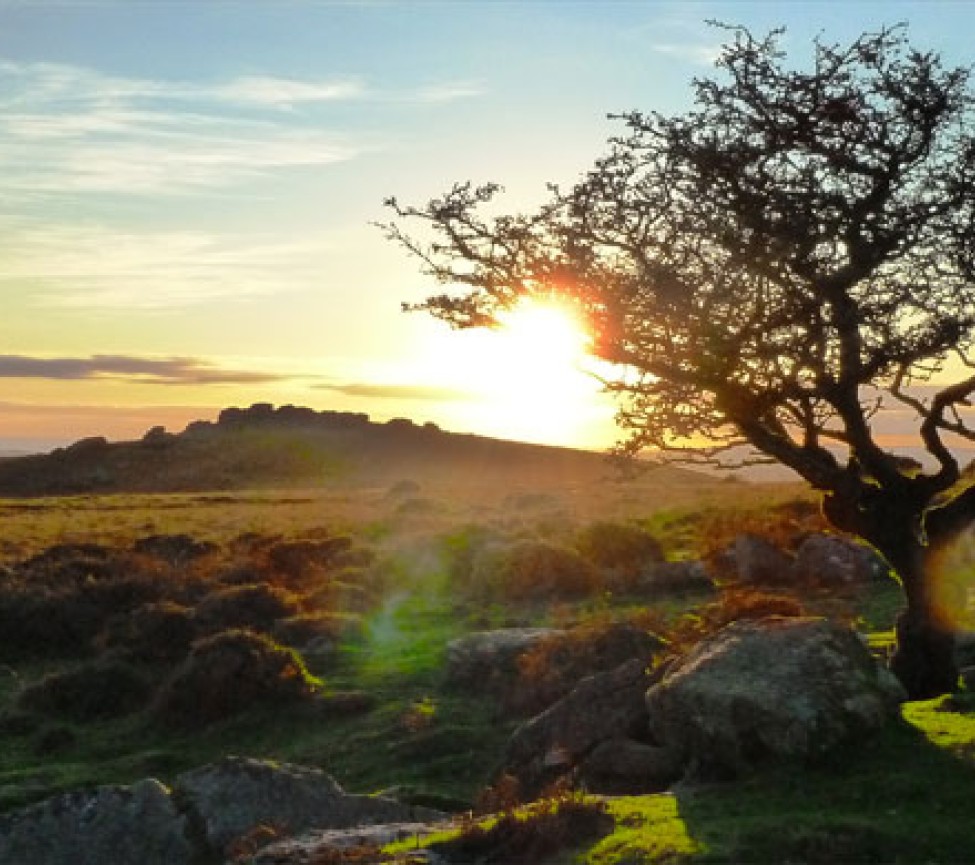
(188,192)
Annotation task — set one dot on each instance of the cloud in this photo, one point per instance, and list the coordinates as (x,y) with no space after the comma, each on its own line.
(171,370)
(285,92)
(446,92)
(399,391)
(72,130)
(698,53)
(67,129)
(94,267)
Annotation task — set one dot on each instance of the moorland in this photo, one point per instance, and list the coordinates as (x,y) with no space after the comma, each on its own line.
(346,556)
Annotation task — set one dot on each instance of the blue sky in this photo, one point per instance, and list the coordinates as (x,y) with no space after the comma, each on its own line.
(186,190)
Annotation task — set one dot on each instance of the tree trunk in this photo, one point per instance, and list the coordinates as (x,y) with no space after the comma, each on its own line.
(924,659)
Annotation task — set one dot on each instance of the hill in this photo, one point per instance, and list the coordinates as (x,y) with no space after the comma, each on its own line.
(290,447)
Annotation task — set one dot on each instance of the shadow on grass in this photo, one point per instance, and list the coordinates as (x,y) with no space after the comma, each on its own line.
(897,798)
(904,796)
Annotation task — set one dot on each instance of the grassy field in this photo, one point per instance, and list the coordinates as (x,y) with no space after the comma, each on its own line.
(386,719)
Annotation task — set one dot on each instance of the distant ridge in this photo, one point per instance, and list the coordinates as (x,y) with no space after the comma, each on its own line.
(267,447)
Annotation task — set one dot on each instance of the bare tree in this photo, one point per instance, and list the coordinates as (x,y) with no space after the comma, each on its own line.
(771,269)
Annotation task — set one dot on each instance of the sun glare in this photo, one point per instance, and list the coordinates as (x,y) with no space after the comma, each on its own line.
(528,377)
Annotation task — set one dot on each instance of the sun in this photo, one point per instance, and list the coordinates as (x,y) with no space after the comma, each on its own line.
(530,378)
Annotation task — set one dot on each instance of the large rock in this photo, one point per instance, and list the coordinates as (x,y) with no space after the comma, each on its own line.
(137,825)
(623,765)
(758,561)
(832,560)
(604,707)
(487,659)
(770,689)
(232,798)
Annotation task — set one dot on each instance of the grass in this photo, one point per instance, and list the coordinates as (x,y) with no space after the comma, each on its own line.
(905,796)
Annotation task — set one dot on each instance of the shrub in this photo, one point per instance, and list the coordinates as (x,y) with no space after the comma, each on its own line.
(623,549)
(349,590)
(229,673)
(733,605)
(529,570)
(532,834)
(553,667)
(295,559)
(99,689)
(38,623)
(298,631)
(160,632)
(256,607)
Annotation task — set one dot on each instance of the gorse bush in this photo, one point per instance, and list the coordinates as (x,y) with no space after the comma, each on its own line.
(299,631)
(228,673)
(553,667)
(733,605)
(256,607)
(99,689)
(160,632)
(531,834)
(534,571)
(625,550)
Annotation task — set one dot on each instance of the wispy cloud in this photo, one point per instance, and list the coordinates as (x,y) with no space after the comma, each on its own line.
(286,92)
(170,370)
(698,53)
(96,268)
(71,130)
(399,391)
(446,92)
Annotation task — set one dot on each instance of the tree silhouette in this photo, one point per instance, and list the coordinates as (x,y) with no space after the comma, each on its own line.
(771,269)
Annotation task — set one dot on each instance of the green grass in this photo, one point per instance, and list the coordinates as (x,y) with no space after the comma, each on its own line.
(903,797)
(431,745)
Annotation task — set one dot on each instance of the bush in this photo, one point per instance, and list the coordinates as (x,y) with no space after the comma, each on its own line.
(552,668)
(299,631)
(159,632)
(256,607)
(38,623)
(350,590)
(530,570)
(299,560)
(624,550)
(100,689)
(229,673)
(734,605)
(532,834)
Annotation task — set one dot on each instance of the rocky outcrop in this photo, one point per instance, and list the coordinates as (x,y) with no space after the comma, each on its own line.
(770,689)
(209,812)
(485,658)
(758,561)
(313,848)
(137,825)
(232,798)
(604,708)
(832,560)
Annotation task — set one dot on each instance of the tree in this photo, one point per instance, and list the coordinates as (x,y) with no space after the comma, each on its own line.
(771,269)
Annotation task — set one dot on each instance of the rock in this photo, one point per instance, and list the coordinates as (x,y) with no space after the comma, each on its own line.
(770,689)
(553,667)
(759,561)
(137,825)
(675,577)
(832,560)
(602,707)
(316,846)
(622,765)
(232,798)
(485,659)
